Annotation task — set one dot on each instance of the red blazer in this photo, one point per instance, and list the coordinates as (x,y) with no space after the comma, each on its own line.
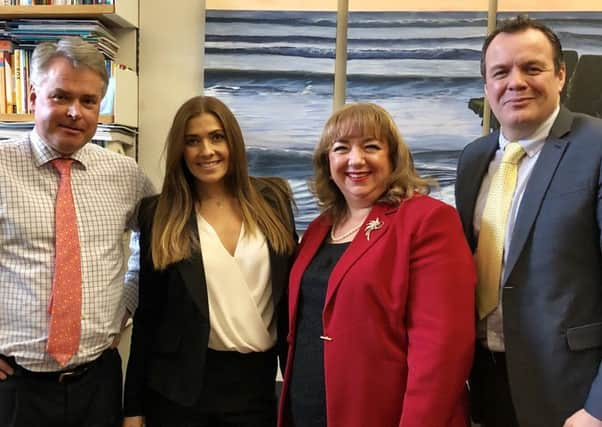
(399,311)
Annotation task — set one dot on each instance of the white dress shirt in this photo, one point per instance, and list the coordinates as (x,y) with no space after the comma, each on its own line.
(490,329)
(106,190)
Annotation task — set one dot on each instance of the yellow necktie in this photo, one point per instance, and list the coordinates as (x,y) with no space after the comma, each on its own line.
(490,247)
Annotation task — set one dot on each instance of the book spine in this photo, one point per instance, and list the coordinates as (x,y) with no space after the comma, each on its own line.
(2,85)
(6,45)
(25,79)
(17,81)
(8,80)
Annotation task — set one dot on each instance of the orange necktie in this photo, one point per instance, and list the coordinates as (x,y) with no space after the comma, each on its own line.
(66,300)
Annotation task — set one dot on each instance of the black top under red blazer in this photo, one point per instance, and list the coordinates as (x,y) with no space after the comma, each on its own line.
(171,325)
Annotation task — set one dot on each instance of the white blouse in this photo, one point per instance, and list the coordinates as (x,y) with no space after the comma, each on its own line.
(241,310)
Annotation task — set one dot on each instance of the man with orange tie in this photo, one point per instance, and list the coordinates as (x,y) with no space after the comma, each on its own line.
(530,199)
(64,206)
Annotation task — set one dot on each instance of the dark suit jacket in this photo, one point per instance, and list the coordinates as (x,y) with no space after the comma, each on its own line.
(552,283)
(171,325)
(399,310)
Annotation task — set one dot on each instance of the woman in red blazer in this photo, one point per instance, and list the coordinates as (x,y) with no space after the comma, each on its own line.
(381,295)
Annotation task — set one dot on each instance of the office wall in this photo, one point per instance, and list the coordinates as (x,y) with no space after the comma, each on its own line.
(170,71)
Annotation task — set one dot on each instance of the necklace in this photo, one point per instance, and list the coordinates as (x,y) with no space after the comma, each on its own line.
(346,234)
(217,202)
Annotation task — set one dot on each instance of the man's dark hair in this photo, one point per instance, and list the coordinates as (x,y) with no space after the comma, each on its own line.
(518,25)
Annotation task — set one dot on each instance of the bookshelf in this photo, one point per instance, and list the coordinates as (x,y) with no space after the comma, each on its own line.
(121,18)
(123,13)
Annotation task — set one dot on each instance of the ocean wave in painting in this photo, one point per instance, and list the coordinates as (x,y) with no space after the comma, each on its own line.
(275,70)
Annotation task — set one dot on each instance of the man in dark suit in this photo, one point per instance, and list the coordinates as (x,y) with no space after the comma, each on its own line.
(539,334)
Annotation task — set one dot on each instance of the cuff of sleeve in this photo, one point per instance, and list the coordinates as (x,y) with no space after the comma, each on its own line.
(593,404)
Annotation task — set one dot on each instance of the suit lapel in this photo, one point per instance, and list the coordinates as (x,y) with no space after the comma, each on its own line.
(193,274)
(360,244)
(474,171)
(538,184)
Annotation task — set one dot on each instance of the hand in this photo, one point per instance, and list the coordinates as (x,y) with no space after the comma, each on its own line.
(582,419)
(5,370)
(124,320)
(133,422)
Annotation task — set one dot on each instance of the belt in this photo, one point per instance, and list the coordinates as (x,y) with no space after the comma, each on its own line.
(67,376)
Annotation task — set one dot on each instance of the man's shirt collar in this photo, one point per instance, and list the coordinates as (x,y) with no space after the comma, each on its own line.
(44,153)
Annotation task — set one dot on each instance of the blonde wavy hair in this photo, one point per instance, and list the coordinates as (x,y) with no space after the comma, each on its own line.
(365,119)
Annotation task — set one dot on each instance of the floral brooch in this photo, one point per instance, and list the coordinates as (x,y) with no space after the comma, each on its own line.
(373,225)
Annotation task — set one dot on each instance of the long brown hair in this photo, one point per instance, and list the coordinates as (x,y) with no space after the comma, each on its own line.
(365,119)
(172,240)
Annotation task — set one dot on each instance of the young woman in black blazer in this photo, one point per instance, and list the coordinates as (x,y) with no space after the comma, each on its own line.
(216,246)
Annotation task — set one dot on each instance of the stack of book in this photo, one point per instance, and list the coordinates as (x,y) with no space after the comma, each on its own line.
(29,32)
(19,37)
(119,138)
(10,130)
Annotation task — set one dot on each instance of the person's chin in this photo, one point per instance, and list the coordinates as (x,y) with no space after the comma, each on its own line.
(363,200)
(520,125)
(68,146)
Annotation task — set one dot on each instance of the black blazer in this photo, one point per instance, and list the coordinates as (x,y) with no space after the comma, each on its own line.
(171,324)
(552,283)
